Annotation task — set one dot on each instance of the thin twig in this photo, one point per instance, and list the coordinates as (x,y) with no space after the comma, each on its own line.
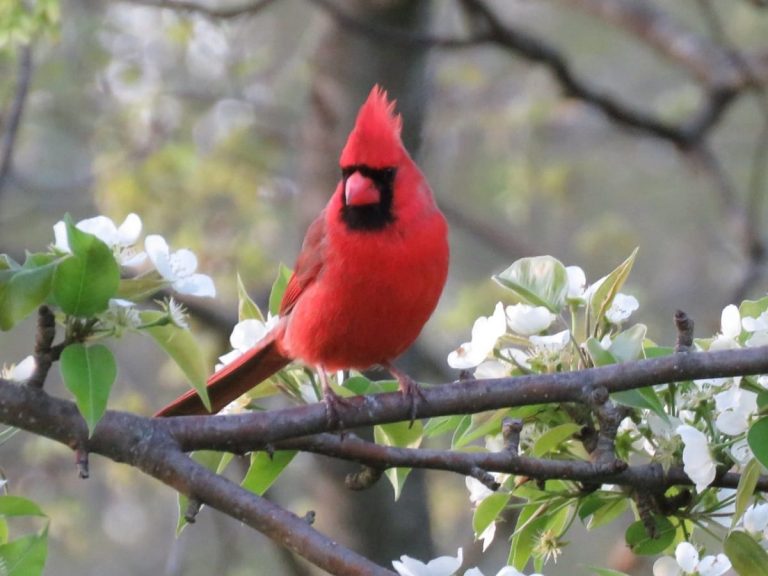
(217,12)
(13,121)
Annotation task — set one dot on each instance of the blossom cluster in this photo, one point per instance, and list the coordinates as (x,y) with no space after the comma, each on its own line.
(444,566)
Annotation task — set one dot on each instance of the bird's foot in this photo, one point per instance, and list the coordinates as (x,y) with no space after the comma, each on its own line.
(332,404)
(409,389)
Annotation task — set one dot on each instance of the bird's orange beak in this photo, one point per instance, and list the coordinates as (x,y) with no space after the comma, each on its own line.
(360,191)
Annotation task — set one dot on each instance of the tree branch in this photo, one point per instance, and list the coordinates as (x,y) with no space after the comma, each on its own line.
(253,431)
(709,62)
(13,121)
(651,477)
(156,446)
(145,444)
(209,11)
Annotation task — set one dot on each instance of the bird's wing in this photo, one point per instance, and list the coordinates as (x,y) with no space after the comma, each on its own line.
(309,264)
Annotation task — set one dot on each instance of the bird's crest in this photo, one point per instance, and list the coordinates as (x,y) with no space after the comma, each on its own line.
(375,139)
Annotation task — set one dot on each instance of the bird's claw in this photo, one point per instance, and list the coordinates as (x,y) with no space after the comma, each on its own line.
(332,403)
(411,390)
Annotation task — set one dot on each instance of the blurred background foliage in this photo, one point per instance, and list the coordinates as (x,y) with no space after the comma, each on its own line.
(221,123)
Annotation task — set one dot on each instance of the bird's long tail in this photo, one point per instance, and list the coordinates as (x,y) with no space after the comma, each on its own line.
(235,379)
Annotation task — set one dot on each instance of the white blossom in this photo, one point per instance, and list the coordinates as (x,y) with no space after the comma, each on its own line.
(245,335)
(758,327)
(518,357)
(621,308)
(486,331)
(741,452)
(178,268)
(477,490)
(442,566)
(506,571)
(730,329)
(488,535)
(20,372)
(492,369)
(551,344)
(755,519)
(527,320)
(735,406)
(697,459)
(120,239)
(577,283)
(687,561)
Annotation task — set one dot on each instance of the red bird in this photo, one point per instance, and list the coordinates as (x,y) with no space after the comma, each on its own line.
(369,274)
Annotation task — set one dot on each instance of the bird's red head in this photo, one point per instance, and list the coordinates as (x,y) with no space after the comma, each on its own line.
(375,139)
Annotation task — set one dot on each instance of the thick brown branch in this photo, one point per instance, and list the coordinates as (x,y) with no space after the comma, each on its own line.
(145,444)
(246,432)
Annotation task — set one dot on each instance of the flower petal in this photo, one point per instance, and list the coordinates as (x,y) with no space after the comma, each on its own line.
(527,320)
(199,285)
(160,255)
(687,556)
(666,566)
(61,239)
(129,231)
(183,263)
(697,459)
(730,321)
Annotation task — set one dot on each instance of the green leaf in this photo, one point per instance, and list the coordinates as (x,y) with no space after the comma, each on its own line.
(265,469)
(523,539)
(89,372)
(746,489)
(600,356)
(141,288)
(246,307)
(551,440)
(603,297)
(278,289)
(18,506)
(24,556)
(181,345)
(645,398)
(753,308)
(85,281)
(757,438)
(23,289)
(8,263)
(538,281)
(607,513)
(628,345)
(488,510)
(643,544)
(747,556)
(465,421)
(441,425)
(359,384)
(401,435)
(481,425)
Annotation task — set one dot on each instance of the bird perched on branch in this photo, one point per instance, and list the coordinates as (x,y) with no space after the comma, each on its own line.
(369,274)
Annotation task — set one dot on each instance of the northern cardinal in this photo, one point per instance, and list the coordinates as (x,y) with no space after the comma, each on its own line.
(369,274)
